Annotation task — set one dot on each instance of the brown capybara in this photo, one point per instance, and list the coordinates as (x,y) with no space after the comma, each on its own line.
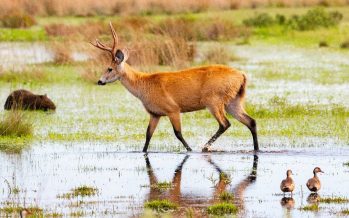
(25,100)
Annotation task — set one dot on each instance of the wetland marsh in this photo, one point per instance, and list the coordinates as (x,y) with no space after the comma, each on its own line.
(84,159)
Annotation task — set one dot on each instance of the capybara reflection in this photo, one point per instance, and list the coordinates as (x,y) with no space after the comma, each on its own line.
(25,100)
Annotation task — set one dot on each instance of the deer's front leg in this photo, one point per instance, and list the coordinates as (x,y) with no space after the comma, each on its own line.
(176,124)
(153,122)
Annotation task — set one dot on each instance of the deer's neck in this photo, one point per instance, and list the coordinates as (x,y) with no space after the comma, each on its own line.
(132,80)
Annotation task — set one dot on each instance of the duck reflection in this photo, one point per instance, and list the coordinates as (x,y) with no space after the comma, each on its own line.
(287,202)
(313,198)
(185,201)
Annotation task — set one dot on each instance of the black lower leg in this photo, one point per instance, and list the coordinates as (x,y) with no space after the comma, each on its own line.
(253,129)
(220,131)
(147,140)
(180,138)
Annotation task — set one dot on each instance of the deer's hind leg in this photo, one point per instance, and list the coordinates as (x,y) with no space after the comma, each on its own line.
(219,113)
(236,109)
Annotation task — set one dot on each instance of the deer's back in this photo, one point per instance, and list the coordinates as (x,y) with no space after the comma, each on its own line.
(193,89)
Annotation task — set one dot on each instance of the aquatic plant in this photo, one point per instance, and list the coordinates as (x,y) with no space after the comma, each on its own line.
(161,205)
(221,209)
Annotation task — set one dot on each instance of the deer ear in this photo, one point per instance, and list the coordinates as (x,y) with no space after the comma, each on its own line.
(119,56)
(126,54)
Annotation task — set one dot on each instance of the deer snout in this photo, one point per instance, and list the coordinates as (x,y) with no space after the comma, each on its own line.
(101,83)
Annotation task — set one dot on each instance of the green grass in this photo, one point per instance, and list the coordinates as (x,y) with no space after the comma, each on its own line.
(312,207)
(274,34)
(346,164)
(44,73)
(335,200)
(161,205)
(28,35)
(221,209)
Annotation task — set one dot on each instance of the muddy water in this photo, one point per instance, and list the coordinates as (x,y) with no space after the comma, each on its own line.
(126,180)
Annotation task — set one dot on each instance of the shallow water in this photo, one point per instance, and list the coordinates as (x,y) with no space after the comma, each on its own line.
(15,55)
(125,180)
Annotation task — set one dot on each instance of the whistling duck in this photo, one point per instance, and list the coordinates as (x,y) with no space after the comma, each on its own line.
(287,185)
(314,183)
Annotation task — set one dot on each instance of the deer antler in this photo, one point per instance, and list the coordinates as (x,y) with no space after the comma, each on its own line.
(107,48)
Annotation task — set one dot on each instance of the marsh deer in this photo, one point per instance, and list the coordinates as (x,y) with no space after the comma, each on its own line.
(218,88)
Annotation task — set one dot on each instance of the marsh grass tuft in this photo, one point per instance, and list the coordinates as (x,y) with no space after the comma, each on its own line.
(335,200)
(161,205)
(312,207)
(226,196)
(16,209)
(346,164)
(221,209)
(81,191)
(15,124)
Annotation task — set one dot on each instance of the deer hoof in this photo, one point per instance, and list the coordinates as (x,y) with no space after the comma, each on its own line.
(206,149)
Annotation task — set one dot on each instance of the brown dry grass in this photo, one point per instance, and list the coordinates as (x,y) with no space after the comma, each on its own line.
(110,7)
(61,52)
(218,54)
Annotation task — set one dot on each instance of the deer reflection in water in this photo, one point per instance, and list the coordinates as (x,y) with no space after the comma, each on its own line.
(184,201)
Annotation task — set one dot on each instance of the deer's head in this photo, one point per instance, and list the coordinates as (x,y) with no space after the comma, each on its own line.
(118,58)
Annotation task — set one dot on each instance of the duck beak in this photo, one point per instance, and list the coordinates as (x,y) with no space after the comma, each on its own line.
(322,171)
